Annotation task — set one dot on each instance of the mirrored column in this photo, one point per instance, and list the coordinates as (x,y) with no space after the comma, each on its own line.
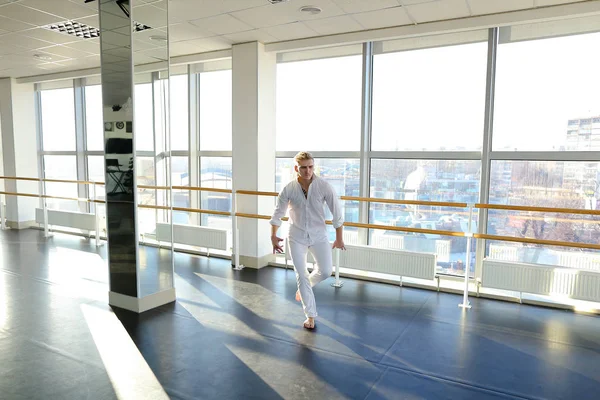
(141,277)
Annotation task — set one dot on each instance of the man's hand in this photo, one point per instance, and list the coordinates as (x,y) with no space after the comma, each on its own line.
(276,244)
(339,244)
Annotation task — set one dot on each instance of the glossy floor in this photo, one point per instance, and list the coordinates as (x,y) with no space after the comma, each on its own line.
(237,334)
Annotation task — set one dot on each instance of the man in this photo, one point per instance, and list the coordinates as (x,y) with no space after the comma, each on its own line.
(305,197)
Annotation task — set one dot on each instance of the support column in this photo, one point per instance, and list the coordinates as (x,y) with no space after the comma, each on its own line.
(137,282)
(253,79)
(19,137)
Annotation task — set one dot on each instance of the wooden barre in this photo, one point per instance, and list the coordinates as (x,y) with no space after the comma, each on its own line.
(408,202)
(537,241)
(46,196)
(537,209)
(251,192)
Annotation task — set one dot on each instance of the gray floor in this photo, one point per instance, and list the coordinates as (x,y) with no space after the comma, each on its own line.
(237,334)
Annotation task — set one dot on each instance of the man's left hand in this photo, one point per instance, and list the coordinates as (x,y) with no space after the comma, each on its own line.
(339,244)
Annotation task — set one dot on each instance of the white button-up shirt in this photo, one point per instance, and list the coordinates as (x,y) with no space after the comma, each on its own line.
(307,214)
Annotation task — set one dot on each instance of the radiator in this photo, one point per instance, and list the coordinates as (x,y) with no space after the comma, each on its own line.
(193,235)
(387,261)
(541,279)
(69,219)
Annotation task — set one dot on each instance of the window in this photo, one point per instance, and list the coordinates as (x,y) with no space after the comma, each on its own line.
(319,103)
(179,112)
(430,99)
(145,175)
(574,185)
(427,180)
(58,120)
(94,120)
(215,110)
(61,167)
(545,91)
(181,198)
(215,172)
(143,127)
(96,173)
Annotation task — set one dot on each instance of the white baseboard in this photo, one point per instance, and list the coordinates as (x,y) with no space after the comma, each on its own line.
(139,305)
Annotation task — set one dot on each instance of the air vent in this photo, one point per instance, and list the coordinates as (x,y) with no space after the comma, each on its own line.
(74,28)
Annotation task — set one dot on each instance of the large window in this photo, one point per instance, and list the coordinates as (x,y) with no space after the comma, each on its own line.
(94,121)
(215,110)
(547,94)
(215,172)
(58,119)
(319,104)
(143,127)
(180,176)
(429,99)
(61,167)
(559,184)
(425,180)
(179,112)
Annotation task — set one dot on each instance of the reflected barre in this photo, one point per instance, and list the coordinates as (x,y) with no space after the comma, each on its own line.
(45,196)
(536,209)
(406,202)
(537,241)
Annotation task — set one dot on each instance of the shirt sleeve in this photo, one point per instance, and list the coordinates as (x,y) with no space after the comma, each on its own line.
(280,208)
(333,203)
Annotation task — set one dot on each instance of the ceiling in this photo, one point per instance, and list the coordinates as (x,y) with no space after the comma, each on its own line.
(197,26)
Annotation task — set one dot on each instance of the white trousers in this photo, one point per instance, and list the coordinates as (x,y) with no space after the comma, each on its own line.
(322,270)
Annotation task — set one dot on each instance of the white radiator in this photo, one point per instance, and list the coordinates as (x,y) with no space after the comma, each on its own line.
(193,235)
(69,219)
(387,261)
(541,279)
(503,252)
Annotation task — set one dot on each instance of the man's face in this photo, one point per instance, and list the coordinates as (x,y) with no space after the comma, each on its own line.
(305,169)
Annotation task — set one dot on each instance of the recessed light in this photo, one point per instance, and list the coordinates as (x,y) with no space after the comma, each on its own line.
(158,38)
(42,57)
(312,10)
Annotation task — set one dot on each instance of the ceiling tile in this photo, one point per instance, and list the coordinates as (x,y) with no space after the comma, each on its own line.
(258,35)
(186,31)
(20,40)
(88,45)
(383,18)
(151,16)
(63,8)
(357,6)
(544,3)
(222,24)
(438,10)
(284,13)
(49,36)
(64,51)
(7,48)
(410,2)
(92,5)
(480,7)
(92,20)
(55,57)
(14,26)
(188,10)
(29,15)
(331,26)
(212,43)
(295,30)
(183,48)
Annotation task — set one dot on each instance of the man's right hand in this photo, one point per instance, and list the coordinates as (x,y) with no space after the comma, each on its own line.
(276,244)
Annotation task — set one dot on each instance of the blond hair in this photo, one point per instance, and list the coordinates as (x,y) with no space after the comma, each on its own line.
(302,156)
